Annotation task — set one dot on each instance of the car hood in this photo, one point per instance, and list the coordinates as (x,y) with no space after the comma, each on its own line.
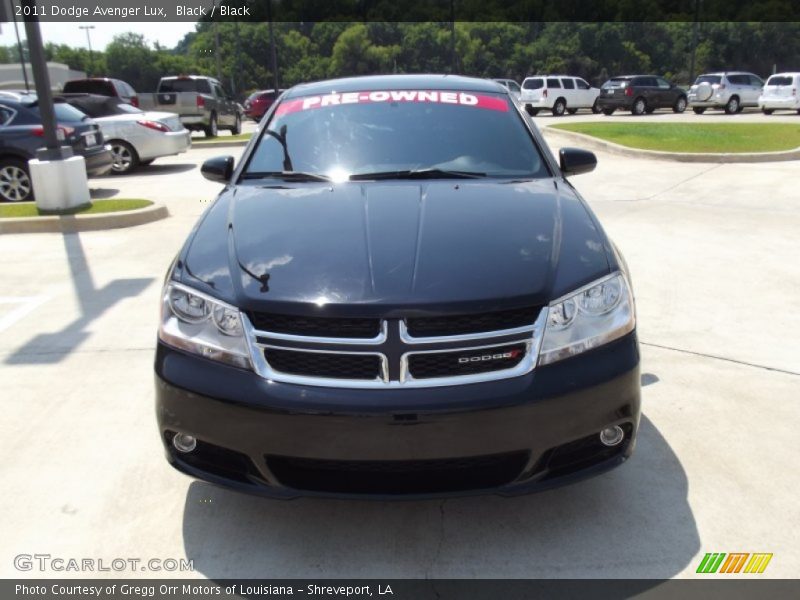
(396,248)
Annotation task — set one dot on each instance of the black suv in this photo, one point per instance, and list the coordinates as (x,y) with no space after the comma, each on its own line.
(22,134)
(640,94)
(397,293)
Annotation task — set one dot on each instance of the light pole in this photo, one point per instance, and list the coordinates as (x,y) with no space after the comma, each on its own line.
(89,42)
(273,52)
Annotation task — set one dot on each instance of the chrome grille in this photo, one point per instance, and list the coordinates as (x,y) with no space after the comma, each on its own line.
(324,364)
(316,326)
(460,324)
(425,365)
(392,357)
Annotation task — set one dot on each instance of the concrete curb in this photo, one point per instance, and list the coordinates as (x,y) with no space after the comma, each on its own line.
(733,157)
(73,223)
(220,144)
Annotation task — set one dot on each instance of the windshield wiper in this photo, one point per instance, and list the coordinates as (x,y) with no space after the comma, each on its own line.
(418,174)
(281,137)
(287,176)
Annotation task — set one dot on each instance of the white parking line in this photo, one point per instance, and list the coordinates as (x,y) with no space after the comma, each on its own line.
(29,304)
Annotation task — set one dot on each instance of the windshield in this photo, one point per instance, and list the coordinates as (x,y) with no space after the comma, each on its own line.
(779,80)
(712,79)
(616,82)
(90,86)
(381,132)
(184,85)
(532,84)
(64,112)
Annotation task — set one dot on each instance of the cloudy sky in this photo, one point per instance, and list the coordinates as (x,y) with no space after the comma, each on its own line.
(167,34)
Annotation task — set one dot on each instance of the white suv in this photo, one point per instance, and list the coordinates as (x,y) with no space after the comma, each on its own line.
(559,94)
(780,93)
(731,91)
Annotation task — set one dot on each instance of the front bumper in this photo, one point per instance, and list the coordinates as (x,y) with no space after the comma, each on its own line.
(508,437)
(98,161)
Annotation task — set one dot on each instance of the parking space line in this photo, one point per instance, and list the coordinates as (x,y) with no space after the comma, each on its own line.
(29,304)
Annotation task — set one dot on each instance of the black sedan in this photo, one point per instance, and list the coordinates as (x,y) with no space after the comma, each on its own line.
(640,94)
(397,294)
(22,134)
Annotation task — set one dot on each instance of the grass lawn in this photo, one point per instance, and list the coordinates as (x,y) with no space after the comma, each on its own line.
(695,137)
(28,209)
(242,137)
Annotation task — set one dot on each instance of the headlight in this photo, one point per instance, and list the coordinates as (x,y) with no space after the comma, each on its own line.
(589,317)
(200,324)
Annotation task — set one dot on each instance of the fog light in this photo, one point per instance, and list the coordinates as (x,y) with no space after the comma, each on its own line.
(184,442)
(611,436)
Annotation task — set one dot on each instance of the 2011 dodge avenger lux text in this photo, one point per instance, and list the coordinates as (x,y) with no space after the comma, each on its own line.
(397,294)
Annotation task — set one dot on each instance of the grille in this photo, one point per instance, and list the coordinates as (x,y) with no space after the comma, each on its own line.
(474,323)
(580,454)
(217,460)
(316,326)
(398,477)
(318,364)
(448,364)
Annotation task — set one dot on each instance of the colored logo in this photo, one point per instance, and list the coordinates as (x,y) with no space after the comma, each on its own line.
(734,562)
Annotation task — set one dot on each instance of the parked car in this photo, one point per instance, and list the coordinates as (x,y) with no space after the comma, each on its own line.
(258,103)
(397,293)
(136,137)
(780,93)
(202,103)
(559,94)
(512,86)
(103,86)
(640,94)
(22,134)
(731,91)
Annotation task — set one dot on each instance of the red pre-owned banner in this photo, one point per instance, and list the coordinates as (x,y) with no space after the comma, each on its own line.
(377,96)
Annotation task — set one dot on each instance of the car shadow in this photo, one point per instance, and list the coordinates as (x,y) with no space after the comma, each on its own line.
(157,169)
(102,193)
(634,522)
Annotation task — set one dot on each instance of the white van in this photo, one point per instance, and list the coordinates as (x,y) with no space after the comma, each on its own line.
(780,93)
(559,94)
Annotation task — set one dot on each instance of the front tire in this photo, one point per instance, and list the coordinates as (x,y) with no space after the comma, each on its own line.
(595,108)
(15,181)
(732,107)
(608,111)
(680,105)
(639,107)
(124,157)
(699,110)
(769,111)
(237,126)
(211,131)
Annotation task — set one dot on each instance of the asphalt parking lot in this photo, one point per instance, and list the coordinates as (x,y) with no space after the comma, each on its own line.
(713,250)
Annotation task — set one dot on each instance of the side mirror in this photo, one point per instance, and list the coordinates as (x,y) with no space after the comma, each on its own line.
(218,169)
(575,161)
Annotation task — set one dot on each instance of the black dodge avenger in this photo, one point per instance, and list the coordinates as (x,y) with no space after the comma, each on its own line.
(397,294)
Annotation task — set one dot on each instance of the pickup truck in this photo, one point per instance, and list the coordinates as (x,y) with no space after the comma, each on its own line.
(201,102)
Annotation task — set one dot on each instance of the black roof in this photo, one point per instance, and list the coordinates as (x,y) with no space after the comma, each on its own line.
(396,82)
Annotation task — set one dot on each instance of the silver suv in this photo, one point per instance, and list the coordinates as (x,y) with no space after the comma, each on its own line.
(731,91)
